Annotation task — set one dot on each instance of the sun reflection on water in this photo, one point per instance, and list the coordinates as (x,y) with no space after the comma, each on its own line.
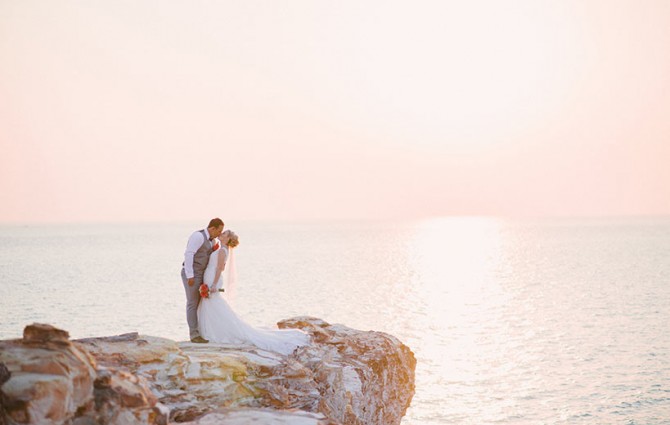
(456,263)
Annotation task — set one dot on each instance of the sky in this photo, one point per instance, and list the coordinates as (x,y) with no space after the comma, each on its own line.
(164,110)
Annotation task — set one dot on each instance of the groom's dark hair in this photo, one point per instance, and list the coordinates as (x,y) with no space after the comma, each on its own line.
(215,222)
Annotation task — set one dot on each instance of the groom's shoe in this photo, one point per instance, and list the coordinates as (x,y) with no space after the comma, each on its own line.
(199,340)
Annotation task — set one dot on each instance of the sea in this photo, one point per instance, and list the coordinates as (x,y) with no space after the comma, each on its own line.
(533,321)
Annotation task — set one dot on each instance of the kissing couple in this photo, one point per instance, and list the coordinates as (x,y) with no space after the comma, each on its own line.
(209,316)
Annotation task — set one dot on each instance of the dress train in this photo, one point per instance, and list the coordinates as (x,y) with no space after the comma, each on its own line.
(218,322)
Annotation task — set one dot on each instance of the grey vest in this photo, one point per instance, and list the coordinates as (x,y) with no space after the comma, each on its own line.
(201,258)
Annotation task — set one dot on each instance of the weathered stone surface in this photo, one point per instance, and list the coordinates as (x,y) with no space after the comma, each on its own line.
(39,332)
(262,416)
(50,378)
(362,377)
(344,376)
(5,374)
(192,379)
(123,398)
(55,381)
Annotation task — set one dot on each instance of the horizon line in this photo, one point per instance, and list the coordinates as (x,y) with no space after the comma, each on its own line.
(17,223)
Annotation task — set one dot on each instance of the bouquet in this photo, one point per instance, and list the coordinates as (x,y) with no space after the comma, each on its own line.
(204,290)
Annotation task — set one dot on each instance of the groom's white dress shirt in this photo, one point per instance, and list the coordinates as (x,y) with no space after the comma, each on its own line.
(194,243)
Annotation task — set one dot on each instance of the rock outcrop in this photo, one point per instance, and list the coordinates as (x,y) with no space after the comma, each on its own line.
(53,380)
(344,376)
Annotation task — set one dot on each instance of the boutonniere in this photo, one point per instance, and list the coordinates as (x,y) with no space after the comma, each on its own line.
(215,247)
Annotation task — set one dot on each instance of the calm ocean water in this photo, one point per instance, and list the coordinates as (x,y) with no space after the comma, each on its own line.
(533,322)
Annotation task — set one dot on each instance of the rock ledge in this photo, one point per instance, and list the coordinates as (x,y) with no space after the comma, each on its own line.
(345,376)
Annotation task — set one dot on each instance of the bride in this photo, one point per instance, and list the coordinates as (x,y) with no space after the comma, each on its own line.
(218,323)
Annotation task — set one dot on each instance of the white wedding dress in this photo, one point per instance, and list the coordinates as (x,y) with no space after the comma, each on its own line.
(218,322)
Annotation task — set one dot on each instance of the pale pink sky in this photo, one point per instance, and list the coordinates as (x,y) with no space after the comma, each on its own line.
(184,110)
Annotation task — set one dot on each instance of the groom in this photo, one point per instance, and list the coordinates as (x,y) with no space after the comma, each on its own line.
(196,257)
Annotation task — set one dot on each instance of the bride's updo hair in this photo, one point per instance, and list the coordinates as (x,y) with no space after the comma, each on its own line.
(233,240)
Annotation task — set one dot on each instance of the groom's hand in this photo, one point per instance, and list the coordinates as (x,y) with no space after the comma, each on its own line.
(190,282)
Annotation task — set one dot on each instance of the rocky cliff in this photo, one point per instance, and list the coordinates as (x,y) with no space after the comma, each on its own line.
(344,376)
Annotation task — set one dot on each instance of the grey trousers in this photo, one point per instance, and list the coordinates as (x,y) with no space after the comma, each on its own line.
(192,301)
